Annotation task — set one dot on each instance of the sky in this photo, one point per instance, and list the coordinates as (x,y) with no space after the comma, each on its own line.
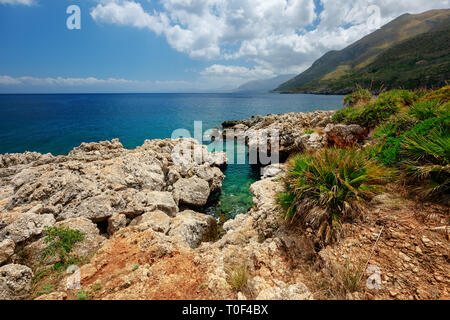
(177,45)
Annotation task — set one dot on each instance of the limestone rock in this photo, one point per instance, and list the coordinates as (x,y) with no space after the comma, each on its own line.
(27,226)
(116,222)
(15,282)
(156,220)
(194,227)
(92,241)
(193,191)
(345,135)
(6,250)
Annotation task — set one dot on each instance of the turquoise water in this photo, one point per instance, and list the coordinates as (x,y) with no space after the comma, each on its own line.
(58,123)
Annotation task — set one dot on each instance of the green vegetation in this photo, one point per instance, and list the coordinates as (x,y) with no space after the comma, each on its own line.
(47,289)
(325,188)
(410,52)
(376,111)
(411,142)
(237,276)
(415,138)
(60,241)
(84,295)
(358,98)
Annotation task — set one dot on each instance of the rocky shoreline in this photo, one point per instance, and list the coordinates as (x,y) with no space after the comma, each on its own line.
(146,237)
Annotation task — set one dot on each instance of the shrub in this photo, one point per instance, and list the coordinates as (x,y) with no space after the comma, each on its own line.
(372,114)
(386,130)
(400,98)
(358,98)
(425,109)
(237,276)
(390,152)
(428,157)
(443,95)
(60,240)
(377,112)
(326,187)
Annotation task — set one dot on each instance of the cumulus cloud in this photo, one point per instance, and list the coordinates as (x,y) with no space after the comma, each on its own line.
(279,36)
(18,2)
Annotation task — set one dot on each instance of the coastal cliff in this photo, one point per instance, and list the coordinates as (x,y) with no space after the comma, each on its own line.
(145,236)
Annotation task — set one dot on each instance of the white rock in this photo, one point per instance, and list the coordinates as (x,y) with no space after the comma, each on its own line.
(194,227)
(15,282)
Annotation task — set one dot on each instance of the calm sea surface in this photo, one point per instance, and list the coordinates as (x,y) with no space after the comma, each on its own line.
(58,123)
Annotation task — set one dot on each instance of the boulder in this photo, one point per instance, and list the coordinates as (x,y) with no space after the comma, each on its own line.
(27,226)
(156,200)
(156,220)
(345,135)
(116,222)
(192,192)
(15,282)
(271,171)
(6,250)
(92,241)
(194,227)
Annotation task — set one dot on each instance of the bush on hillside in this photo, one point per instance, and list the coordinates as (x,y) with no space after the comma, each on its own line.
(328,187)
(358,98)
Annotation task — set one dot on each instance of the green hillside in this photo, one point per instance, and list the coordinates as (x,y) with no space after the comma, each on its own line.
(411,51)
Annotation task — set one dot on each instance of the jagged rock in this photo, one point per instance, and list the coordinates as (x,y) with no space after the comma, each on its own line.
(271,171)
(212,175)
(193,191)
(345,135)
(155,220)
(15,282)
(92,241)
(289,127)
(6,250)
(27,226)
(116,222)
(194,227)
(296,291)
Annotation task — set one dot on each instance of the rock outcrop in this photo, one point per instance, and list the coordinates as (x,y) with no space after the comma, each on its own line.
(100,189)
(344,136)
(6,250)
(15,282)
(293,130)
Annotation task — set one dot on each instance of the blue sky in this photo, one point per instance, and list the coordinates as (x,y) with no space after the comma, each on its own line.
(176,45)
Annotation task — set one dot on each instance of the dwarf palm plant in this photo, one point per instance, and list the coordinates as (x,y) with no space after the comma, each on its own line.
(326,187)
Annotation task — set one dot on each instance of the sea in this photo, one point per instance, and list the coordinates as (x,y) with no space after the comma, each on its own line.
(56,123)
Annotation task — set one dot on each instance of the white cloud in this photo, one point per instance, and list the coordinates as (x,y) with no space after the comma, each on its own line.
(18,2)
(277,35)
(7,80)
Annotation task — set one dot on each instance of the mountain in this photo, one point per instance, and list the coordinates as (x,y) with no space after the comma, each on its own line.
(411,51)
(263,85)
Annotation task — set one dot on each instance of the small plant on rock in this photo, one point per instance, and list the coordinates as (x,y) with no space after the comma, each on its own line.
(237,276)
(60,241)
